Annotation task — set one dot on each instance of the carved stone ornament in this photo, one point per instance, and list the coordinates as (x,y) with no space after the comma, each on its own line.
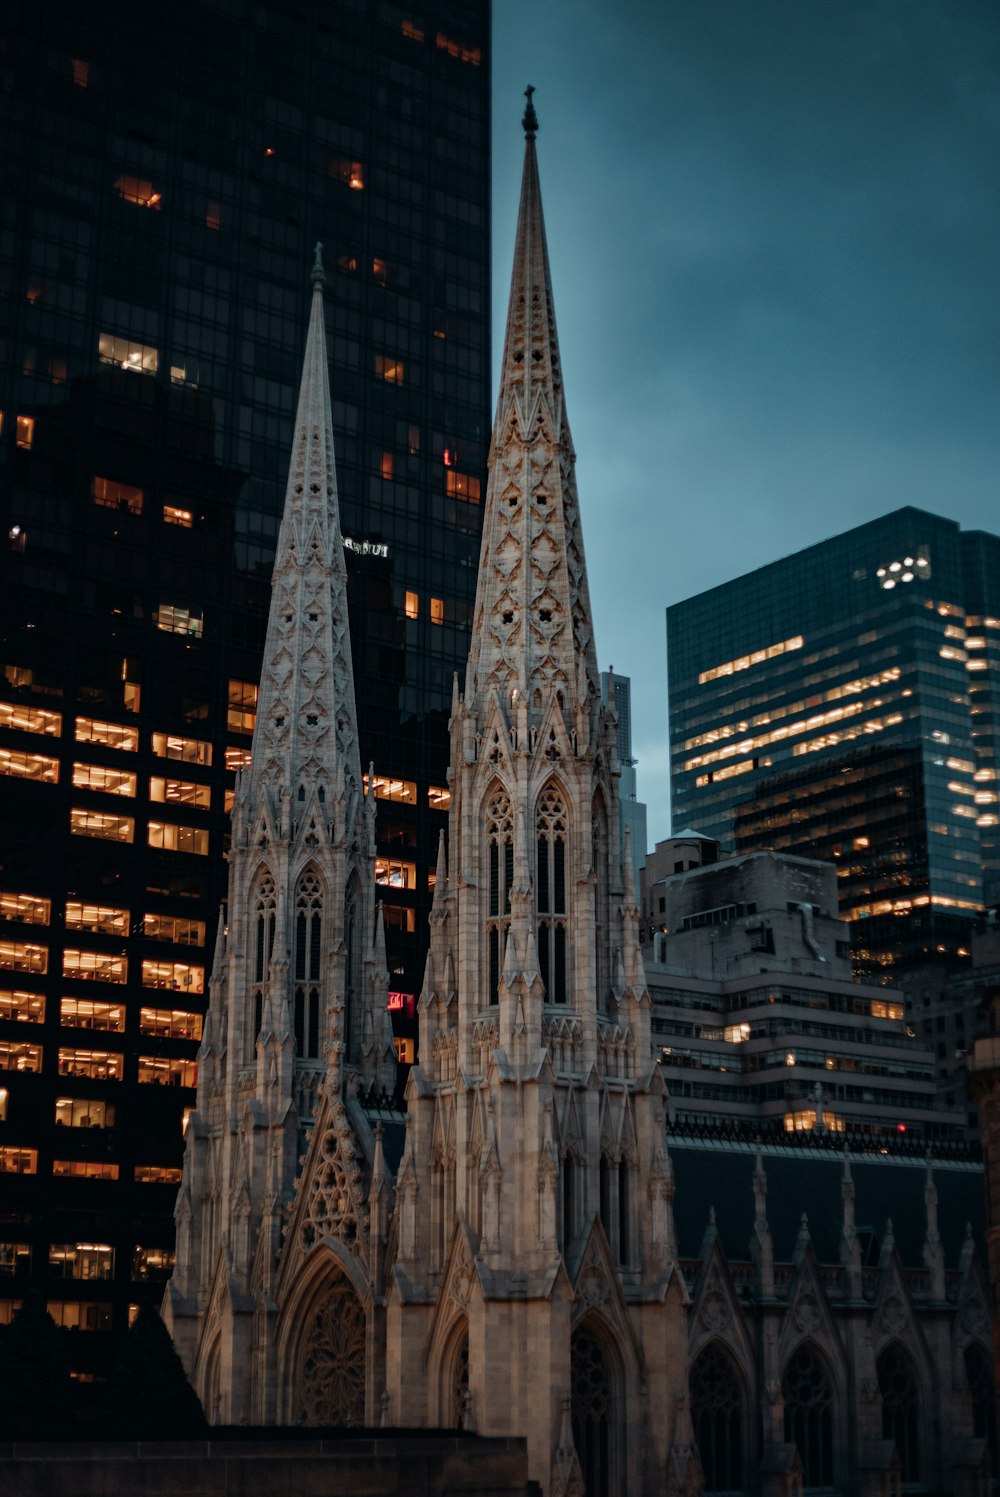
(715,1313)
(333,1359)
(592,1285)
(892,1316)
(807,1313)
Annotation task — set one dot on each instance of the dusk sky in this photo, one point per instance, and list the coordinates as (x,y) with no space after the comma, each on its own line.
(773,228)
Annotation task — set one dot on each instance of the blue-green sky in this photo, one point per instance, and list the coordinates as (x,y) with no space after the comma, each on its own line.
(774,228)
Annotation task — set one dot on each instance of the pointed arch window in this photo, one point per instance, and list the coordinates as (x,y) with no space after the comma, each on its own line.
(499,877)
(897,1384)
(308,963)
(602,906)
(550,892)
(717,1416)
(264,907)
(594,1413)
(808,1397)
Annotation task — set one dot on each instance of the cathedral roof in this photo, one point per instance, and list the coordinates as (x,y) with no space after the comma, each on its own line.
(803,1180)
(306,724)
(533,619)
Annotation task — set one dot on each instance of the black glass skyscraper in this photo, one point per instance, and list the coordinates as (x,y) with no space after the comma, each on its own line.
(843,700)
(166,172)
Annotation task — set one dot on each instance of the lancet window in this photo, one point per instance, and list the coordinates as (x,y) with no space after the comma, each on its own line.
(616,1206)
(499,877)
(550,892)
(897,1384)
(264,906)
(602,935)
(808,1397)
(717,1416)
(593,1412)
(308,964)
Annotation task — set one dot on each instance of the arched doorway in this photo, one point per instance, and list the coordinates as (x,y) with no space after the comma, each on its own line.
(594,1412)
(808,1396)
(717,1416)
(331,1383)
(897,1384)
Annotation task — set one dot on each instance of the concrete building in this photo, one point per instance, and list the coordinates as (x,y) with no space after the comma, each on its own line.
(755,1012)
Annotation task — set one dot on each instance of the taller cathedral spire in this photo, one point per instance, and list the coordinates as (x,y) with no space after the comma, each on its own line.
(532,618)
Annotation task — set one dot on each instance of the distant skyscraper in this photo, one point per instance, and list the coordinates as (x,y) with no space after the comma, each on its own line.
(844,701)
(633,811)
(166,172)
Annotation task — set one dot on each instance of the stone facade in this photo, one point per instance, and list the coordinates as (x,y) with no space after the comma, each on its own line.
(505,1259)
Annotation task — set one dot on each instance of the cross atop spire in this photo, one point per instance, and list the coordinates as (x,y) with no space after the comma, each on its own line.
(530,120)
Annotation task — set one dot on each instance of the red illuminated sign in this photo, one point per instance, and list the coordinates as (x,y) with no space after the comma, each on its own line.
(401,1003)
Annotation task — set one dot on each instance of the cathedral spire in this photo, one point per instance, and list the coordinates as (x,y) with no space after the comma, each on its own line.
(306,729)
(532,635)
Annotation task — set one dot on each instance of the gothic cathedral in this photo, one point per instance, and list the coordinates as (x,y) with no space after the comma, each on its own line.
(503,1259)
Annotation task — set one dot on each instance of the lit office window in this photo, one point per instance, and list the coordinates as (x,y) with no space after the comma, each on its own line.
(16,1161)
(111,735)
(158,1070)
(25,432)
(30,719)
(22,766)
(461,486)
(101,777)
(173,618)
(83,1169)
(112,495)
(22,956)
(81,1260)
(84,1112)
(389,368)
(26,909)
(174,515)
(438,797)
(139,191)
(180,793)
(93,1065)
(242,709)
(458,50)
(170,1024)
(385,787)
(395,873)
(157,1174)
(343,169)
(437,611)
(125,353)
(411,605)
(237,758)
(107,919)
(177,929)
(18,1007)
(15,1056)
(99,824)
(173,976)
(189,750)
(95,966)
(170,836)
(91,1013)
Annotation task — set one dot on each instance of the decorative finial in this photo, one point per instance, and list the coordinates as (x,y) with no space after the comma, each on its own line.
(318,273)
(530,121)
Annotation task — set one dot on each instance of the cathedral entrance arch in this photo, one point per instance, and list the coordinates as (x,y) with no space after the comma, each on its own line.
(595,1408)
(330,1386)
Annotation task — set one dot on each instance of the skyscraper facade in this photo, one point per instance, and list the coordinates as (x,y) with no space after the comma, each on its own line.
(166,173)
(843,700)
(616,692)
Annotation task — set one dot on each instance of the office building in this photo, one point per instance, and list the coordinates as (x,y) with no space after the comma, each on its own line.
(616,692)
(167,170)
(756,1018)
(843,702)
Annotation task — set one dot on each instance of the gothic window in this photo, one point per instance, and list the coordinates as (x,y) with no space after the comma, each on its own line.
(307,966)
(897,1384)
(460,1402)
(808,1397)
(550,892)
(569,1173)
(602,931)
(592,1406)
(717,1416)
(333,1359)
(624,1208)
(352,940)
(979,1375)
(499,877)
(264,905)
